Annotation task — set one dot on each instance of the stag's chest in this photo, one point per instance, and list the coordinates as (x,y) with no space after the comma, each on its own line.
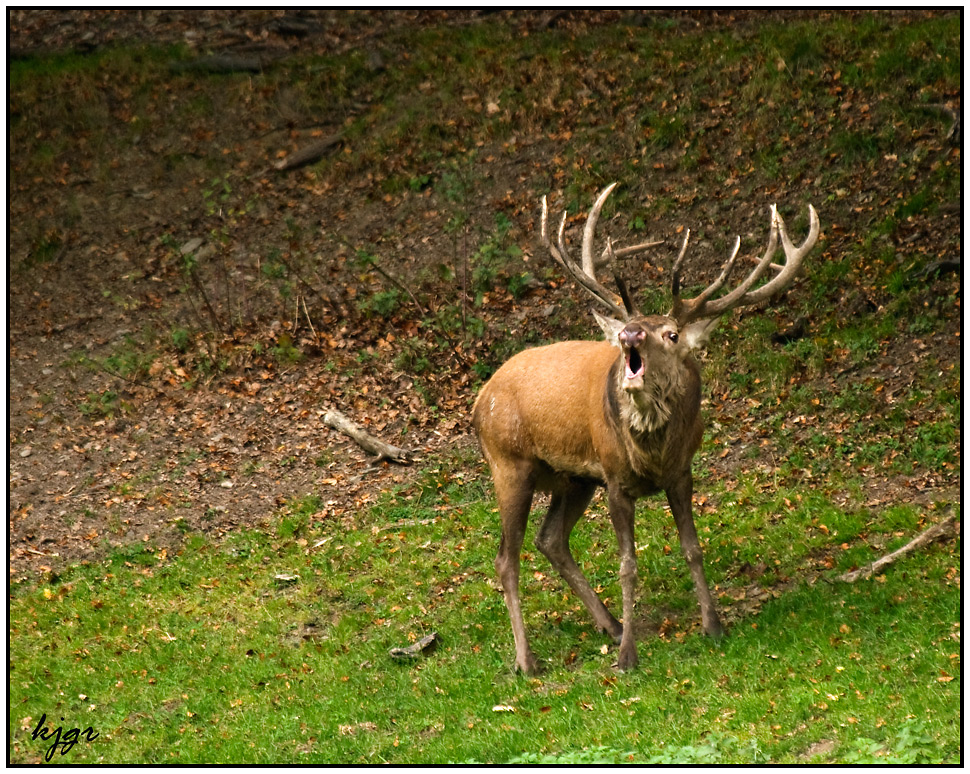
(649,464)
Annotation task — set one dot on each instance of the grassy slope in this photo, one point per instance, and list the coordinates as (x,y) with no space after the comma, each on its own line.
(207,656)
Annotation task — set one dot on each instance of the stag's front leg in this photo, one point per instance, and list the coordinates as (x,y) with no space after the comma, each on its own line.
(622,510)
(679,496)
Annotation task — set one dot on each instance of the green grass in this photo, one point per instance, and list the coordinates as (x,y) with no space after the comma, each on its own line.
(218,654)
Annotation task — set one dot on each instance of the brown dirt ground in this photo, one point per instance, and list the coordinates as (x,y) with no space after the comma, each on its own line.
(226,456)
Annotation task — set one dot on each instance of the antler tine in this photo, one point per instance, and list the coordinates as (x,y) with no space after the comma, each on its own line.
(716,285)
(610,254)
(588,282)
(696,308)
(544,235)
(561,238)
(675,280)
(793,256)
(736,296)
(544,222)
(620,252)
(590,228)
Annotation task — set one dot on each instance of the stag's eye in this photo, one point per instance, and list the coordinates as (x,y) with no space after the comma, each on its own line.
(671,336)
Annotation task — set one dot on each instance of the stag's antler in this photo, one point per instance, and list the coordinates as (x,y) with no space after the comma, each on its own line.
(585,275)
(688,310)
(701,307)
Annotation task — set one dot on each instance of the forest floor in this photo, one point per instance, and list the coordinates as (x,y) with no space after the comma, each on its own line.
(182,313)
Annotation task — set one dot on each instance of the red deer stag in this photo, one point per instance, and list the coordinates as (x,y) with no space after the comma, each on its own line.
(622,413)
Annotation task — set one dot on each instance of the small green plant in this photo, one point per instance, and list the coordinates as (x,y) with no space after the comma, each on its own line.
(419,182)
(45,248)
(323,459)
(285,350)
(666,130)
(273,267)
(383,303)
(251,468)
(494,256)
(181,338)
(594,756)
(855,146)
(308,505)
(518,283)
(414,356)
(292,525)
(913,745)
(105,404)
(716,748)
(185,460)
(131,360)
(920,202)
(298,515)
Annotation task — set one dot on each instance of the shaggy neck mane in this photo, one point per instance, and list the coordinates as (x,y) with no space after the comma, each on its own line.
(640,417)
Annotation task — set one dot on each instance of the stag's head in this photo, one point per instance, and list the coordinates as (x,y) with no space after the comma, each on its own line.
(647,341)
(651,345)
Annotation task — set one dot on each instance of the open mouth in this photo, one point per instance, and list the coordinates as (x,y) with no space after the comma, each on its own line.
(634,364)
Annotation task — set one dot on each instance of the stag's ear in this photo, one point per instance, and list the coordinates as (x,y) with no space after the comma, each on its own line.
(695,334)
(611,328)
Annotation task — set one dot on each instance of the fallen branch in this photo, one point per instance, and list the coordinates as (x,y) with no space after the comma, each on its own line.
(310,153)
(422,647)
(938,269)
(367,442)
(926,536)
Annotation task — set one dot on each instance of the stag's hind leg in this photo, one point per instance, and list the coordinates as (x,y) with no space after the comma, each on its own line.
(622,512)
(514,487)
(567,506)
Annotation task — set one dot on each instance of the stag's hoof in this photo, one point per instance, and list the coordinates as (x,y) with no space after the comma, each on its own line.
(528,666)
(714,629)
(627,660)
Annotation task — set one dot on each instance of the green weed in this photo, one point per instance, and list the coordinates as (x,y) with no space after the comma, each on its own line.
(285,350)
(494,256)
(45,248)
(100,405)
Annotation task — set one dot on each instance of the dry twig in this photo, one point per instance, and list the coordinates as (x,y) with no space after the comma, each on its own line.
(926,536)
(310,153)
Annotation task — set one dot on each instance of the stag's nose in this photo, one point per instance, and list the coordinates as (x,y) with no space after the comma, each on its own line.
(632,337)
